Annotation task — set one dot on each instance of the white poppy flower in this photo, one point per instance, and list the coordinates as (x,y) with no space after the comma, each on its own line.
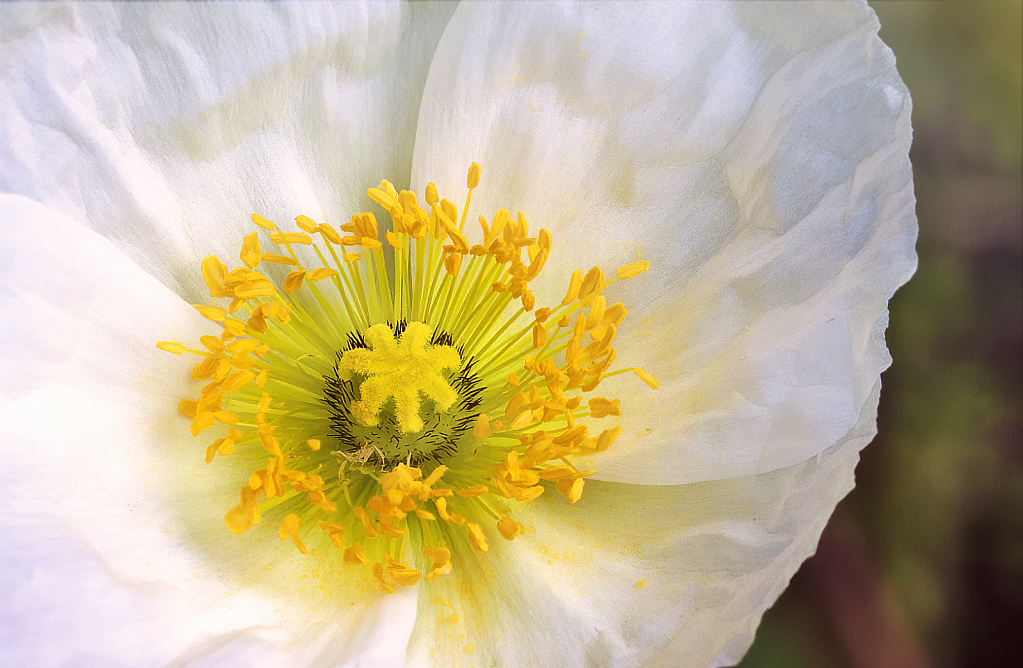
(755,154)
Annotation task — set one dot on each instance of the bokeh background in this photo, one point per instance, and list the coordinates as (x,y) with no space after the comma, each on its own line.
(922,565)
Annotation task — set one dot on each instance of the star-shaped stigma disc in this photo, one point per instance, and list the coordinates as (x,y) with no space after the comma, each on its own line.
(399,370)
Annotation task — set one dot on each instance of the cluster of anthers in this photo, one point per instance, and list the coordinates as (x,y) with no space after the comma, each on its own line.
(342,375)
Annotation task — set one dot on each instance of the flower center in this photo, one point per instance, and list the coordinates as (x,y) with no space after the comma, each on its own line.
(391,402)
(398,400)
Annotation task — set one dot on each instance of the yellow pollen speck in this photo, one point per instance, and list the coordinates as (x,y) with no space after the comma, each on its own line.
(314,444)
(469,649)
(399,370)
(641,583)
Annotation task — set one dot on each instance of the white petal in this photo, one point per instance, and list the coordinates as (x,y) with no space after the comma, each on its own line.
(710,558)
(164,125)
(755,153)
(113,546)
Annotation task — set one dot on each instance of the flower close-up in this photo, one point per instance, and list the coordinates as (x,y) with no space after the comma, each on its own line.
(431,333)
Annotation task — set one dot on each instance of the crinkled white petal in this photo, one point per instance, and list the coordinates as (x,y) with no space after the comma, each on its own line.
(755,153)
(709,558)
(164,125)
(112,540)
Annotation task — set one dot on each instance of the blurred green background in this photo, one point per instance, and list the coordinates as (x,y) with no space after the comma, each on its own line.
(922,565)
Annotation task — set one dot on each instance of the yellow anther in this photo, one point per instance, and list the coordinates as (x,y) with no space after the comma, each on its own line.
(440,555)
(263,222)
(290,238)
(476,537)
(600,407)
(212,343)
(474,491)
(214,273)
(201,423)
(596,315)
(293,281)
(473,179)
(482,427)
(378,573)
(367,523)
(214,313)
(241,518)
(453,263)
(335,532)
(329,233)
(322,273)
(402,574)
(171,347)
(591,283)
(355,555)
(386,196)
(225,417)
(306,224)
(289,529)
(442,510)
(509,528)
(286,260)
(632,270)
(646,377)
(557,473)
(435,475)
(431,194)
(522,420)
(539,336)
(255,289)
(250,255)
(236,381)
(393,240)
(234,327)
(571,488)
(574,284)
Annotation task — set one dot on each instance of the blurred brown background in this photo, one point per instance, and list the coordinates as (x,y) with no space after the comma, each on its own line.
(922,565)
